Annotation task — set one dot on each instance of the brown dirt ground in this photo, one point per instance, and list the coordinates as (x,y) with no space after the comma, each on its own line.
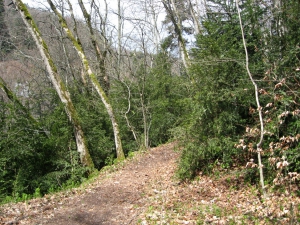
(143,190)
(114,198)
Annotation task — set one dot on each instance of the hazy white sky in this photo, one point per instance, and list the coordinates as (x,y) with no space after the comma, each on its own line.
(128,8)
(133,11)
(112,4)
(112,8)
(36,3)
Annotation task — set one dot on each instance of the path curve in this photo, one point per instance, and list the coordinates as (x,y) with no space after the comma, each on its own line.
(114,198)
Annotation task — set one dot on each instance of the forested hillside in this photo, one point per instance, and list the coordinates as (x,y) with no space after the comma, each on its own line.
(80,90)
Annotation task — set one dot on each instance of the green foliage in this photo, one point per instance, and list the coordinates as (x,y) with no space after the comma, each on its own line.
(221,102)
(36,158)
(209,116)
(219,99)
(279,93)
(158,93)
(96,127)
(46,159)
(164,93)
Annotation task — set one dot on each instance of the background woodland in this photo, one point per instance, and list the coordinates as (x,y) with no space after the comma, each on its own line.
(188,78)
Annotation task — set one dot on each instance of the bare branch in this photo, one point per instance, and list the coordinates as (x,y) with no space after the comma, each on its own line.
(259,108)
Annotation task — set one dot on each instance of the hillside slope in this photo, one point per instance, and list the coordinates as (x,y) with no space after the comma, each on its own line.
(144,191)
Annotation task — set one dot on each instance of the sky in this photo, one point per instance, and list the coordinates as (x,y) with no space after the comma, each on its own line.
(132,27)
(77,11)
(112,8)
(36,3)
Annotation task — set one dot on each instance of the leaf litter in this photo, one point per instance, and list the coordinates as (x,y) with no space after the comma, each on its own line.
(144,190)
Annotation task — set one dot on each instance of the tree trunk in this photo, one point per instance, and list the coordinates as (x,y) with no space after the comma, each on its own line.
(57,82)
(15,99)
(196,20)
(120,23)
(259,108)
(177,22)
(101,55)
(76,43)
(5,45)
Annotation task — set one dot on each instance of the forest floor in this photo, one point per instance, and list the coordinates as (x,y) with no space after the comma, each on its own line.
(143,190)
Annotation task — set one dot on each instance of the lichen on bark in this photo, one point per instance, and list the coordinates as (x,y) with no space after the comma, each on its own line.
(58,84)
(77,45)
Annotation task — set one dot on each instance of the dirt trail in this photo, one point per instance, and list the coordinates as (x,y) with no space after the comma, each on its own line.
(114,198)
(143,191)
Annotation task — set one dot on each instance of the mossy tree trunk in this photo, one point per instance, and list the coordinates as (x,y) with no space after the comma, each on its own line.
(175,17)
(77,45)
(5,45)
(57,82)
(195,19)
(11,95)
(100,54)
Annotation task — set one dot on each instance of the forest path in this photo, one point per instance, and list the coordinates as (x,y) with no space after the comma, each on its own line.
(143,191)
(113,198)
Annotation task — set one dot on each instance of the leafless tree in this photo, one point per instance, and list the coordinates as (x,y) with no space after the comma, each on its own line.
(175,16)
(57,82)
(259,108)
(78,46)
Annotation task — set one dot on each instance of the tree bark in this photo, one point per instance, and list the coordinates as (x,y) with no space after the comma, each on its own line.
(132,129)
(15,99)
(101,55)
(196,21)
(57,82)
(5,45)
(259,108)
(76,43)
(177,23)
(120,23)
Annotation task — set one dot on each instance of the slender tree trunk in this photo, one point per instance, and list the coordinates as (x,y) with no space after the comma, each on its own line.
(76,43)
(277,7)
(152,16)
(101,55)
(132,129)
(145,122)
(57,82)
(145,112)
(16,100)
(176,20)
(120,22)
(5,44)
(196,20)
(259,108)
